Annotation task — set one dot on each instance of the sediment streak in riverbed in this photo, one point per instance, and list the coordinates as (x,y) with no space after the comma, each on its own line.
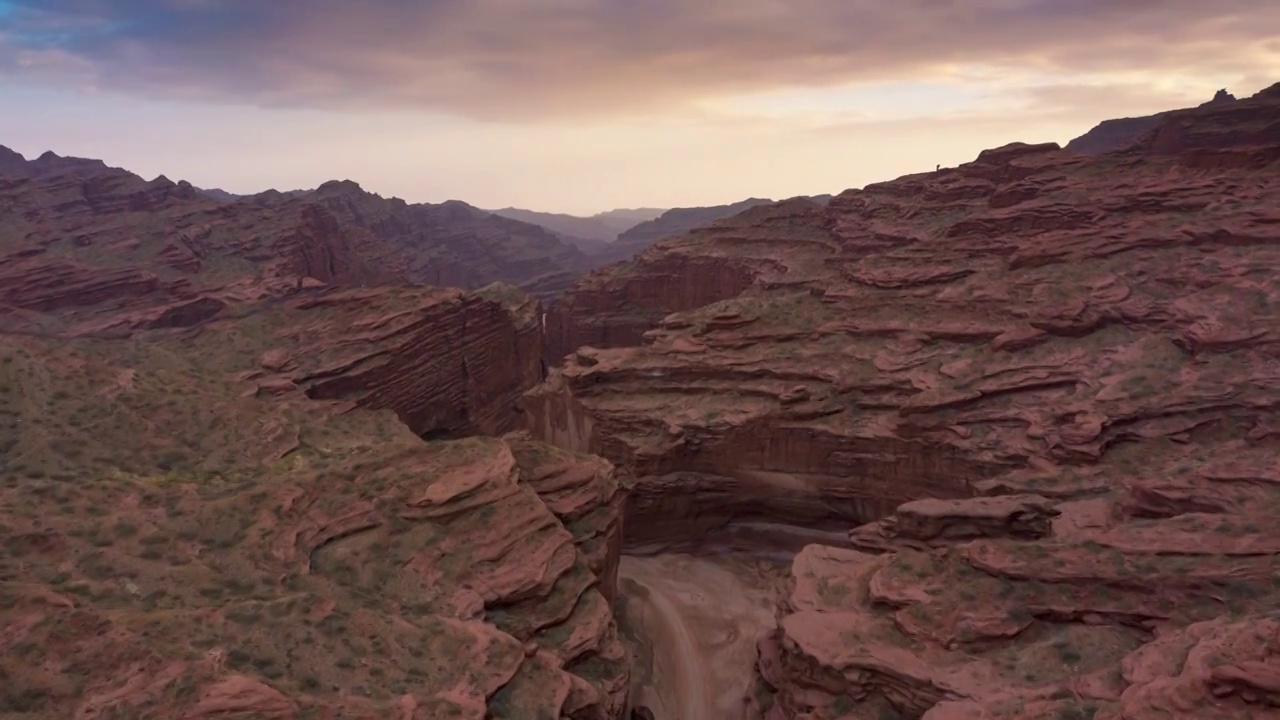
(696,622)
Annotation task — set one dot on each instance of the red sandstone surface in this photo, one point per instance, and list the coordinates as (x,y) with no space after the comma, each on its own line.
(1042,386)
(222,493)
(187,534)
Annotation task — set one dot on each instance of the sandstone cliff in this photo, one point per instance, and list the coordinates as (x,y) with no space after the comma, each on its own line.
(614,306)
(450,364)
(1044,386)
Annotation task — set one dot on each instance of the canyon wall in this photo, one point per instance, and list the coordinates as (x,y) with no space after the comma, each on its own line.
(450,364)
(616,305)
(1042,386)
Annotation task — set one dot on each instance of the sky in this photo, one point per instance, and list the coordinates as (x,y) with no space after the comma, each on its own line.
(580,106)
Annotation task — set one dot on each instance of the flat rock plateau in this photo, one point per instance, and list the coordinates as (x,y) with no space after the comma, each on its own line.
(997,442)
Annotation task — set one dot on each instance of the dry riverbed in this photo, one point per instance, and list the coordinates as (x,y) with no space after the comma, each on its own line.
(695,622)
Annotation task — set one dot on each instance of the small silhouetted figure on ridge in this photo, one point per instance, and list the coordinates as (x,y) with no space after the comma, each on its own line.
(937,168)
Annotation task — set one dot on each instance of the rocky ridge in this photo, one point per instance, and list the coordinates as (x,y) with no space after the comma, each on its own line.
(449,363)
(1116,134)
(80,230)
(1041,385)
(672,223)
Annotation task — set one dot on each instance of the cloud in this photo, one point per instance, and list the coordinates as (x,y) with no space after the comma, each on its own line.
(534,59)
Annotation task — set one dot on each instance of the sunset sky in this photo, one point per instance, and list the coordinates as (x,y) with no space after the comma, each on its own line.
(584,105)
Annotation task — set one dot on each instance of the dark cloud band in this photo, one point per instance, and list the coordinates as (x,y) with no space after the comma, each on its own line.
(543,58)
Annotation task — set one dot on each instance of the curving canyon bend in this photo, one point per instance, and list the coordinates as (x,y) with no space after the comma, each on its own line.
(995,442)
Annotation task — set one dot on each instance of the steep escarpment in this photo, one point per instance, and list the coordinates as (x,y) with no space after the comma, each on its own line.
(1041,385)
(450,364)
(586,494)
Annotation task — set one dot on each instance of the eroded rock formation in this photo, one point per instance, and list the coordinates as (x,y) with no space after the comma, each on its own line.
(1041,383)
(669,224)
(449,363)
(188,534)
(614,306)
(223,491)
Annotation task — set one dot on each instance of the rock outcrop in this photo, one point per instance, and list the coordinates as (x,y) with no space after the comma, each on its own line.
(449,363)
(616,305)
(1042,385)
(1116,134)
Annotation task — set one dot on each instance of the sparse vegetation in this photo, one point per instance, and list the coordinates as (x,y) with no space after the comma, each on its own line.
(172,497)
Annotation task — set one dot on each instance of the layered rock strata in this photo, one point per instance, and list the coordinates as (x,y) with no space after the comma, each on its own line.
(187,534)
(1043,386)
(224,485)
(450,364)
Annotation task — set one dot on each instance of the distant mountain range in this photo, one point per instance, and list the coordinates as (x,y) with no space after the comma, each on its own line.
(76,217)
(337,232)
(618,235)
(224,196)
(599,228)
(603,238)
